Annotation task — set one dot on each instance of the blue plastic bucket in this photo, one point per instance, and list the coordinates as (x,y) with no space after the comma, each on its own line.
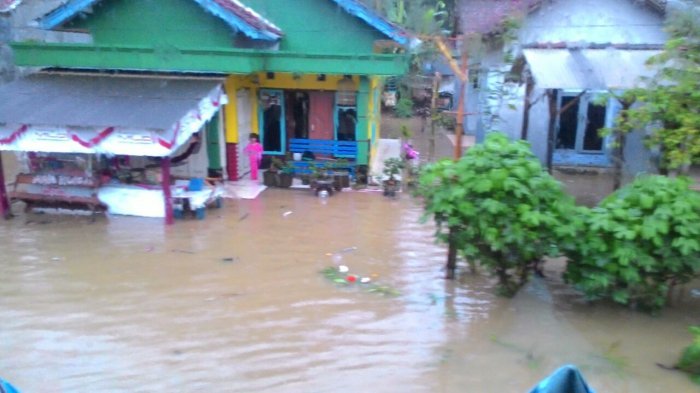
(196,184)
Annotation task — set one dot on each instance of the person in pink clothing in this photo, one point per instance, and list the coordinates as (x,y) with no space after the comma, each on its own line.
(254,150)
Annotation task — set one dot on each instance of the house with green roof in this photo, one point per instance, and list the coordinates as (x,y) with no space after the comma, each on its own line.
(285,69)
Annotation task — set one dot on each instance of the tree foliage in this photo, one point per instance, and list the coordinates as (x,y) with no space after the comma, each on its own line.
(638,243)
(669,104)
(502,208)
(419,16)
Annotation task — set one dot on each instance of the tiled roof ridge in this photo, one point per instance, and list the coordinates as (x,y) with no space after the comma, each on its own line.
(249,16)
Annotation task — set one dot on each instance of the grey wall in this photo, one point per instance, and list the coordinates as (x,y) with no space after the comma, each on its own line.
(557,21)
(593,21)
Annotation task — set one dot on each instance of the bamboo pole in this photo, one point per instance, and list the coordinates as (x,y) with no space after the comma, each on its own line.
(433,115)
(462,103)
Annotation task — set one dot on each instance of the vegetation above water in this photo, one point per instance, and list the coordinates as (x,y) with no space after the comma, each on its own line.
(500,208)
(690,358)
(638,243)
(503,211)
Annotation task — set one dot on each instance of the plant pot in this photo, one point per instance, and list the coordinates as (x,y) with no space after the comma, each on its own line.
(270,179)
(320,185)
(341,180)
(284,180)
(391,187)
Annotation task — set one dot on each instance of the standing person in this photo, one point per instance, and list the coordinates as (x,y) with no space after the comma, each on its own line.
(254,150)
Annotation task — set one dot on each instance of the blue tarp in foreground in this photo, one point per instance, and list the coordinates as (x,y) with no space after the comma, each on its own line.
(567,379)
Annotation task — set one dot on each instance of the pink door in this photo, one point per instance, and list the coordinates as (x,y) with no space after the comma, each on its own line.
(321,122)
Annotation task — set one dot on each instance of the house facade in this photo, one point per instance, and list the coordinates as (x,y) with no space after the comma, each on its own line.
(302,69)
(571,58)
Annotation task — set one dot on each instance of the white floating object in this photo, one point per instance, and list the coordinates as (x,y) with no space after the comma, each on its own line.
(365,280)
(323,194)
(343,269)
(285,214)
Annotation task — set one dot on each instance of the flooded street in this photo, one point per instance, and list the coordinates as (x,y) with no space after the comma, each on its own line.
(236,303)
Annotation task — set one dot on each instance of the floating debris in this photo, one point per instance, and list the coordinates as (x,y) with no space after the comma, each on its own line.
(341,277)
(243,217)
(287,214)
(183,251)
(230,259)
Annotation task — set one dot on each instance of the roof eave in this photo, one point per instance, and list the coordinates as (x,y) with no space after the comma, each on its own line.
(387,28)
(64,12)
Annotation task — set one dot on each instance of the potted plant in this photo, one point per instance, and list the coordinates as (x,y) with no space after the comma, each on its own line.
(270,177)
(392,167)
(285,176)
(341,174)
(321,179)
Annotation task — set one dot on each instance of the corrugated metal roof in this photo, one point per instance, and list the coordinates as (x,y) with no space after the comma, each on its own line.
(8,5)
(594,69)
(99,101)
(233,12)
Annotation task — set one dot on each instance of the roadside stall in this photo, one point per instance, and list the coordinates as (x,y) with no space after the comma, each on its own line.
(106,142)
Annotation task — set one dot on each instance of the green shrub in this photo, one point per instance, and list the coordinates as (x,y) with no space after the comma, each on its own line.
(404,108)
(503,210)
(638,243)
(690,358)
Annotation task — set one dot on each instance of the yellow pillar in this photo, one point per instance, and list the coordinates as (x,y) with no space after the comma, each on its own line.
(231,110)
(254,121)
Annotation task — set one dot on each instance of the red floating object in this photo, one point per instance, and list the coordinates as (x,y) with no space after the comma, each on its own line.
(350,278)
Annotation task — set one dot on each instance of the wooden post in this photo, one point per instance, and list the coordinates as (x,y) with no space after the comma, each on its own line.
(451,266)
(462,102)
(4,201)
(167,195)
(552,97)
(433,115)
(529,86)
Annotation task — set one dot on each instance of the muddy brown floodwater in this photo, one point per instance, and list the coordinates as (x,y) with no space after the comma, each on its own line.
(235,303)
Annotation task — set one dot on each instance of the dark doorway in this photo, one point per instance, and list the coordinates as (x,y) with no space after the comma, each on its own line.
(347,121)
(272,107)
(297,114)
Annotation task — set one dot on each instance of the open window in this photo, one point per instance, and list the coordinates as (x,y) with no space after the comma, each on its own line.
(578,139)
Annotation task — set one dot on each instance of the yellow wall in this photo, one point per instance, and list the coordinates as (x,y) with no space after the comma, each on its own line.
(283,81)
(231,111)
(291,81)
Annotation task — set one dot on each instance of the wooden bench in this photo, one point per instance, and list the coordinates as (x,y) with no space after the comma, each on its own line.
(53,190)
(326,152)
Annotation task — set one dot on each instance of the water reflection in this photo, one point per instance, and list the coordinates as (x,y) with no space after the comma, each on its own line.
(236,303)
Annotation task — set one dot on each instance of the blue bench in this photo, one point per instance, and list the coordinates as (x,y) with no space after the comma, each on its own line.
(346,150)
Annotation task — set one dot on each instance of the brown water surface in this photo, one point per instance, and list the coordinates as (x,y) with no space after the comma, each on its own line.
(235,303)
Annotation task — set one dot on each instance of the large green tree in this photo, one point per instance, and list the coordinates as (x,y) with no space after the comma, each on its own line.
(669,103)
(499,208)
